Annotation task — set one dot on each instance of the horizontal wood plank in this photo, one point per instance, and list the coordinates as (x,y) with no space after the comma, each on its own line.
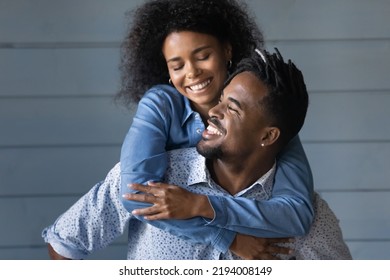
(362,215)
(319,20)
(349,166)
(345,117)
(348,116)
(340,65)
(29,217)
(54,171)
(59,72)
(62,121)
(327,66)
(58,21)
(95,20)
(369,250)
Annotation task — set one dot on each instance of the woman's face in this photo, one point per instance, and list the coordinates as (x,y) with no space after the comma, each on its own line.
(197,65)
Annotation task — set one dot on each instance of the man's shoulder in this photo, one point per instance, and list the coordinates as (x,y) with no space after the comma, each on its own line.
(184,166)
(183,154)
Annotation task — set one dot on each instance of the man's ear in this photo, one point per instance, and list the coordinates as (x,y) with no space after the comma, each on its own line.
(270,136)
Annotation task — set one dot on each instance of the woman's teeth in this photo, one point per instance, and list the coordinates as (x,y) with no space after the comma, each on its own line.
(200,86)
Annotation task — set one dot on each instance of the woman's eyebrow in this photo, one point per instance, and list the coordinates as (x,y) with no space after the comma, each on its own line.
(176,58)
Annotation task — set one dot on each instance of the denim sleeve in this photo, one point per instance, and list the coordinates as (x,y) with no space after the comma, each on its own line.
(289,211)
(143,155)
(144,158)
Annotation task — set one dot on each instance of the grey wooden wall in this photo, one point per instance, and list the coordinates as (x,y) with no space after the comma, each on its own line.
(60,131)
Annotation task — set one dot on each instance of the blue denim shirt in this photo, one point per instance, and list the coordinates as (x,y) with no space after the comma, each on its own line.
(164,121)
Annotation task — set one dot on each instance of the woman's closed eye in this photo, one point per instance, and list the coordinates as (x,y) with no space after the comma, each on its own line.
(176,67)
(204,57)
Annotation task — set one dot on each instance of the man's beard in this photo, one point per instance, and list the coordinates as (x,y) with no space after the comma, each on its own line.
(209,152)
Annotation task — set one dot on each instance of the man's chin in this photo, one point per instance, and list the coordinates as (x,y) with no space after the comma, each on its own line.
(207,151)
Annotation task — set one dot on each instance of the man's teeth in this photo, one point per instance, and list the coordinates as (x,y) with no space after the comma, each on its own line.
(213,130)
(200,86)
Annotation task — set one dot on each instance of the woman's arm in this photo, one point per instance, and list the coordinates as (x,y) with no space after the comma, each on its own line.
(164,121)
(288,212)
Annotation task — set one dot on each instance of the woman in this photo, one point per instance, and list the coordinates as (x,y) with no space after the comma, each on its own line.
(192,44)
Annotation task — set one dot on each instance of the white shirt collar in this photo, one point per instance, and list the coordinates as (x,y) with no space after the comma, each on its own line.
(198,172)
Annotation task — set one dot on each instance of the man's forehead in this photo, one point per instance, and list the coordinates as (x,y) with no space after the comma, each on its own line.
(246,87)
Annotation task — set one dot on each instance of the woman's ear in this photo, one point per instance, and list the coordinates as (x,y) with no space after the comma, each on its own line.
(270,136)
(228,51)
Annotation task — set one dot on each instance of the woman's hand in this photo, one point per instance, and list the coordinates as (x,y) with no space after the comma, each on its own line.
(257,248)
(169,202)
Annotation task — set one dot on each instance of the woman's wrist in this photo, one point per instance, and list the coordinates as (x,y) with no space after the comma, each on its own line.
(203,207)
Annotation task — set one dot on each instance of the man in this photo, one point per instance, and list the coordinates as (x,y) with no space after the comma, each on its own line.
(262,107)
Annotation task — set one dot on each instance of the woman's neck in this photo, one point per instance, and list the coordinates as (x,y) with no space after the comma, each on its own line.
(203,110)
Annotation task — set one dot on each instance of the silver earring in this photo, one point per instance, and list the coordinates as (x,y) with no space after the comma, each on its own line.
(262,144)
(170,82)
(230,63)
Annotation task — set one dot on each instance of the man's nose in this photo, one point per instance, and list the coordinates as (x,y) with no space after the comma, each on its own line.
(216,111)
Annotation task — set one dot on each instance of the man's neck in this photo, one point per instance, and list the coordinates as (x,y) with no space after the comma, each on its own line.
(237,176)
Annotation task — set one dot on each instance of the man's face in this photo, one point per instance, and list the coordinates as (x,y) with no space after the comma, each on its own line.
(238,123)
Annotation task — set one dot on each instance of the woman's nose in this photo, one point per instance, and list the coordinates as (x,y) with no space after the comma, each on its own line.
(192,71)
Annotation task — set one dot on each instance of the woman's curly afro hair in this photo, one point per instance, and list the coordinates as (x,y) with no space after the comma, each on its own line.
(142,63)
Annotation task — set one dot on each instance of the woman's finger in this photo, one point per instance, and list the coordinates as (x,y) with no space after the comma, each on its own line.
(140,197)
(149,189)
(144,211)
(280,250)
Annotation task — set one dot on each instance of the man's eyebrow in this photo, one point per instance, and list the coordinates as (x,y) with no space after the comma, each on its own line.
(193,52)
(235,101)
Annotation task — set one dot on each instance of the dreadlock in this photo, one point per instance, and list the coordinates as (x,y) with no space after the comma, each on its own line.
(287,99)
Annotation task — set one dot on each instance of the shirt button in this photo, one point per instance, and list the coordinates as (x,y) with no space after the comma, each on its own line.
(198,130)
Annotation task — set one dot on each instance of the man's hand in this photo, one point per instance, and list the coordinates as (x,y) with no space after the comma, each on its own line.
(257,248)
(169,202)
(54,255)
